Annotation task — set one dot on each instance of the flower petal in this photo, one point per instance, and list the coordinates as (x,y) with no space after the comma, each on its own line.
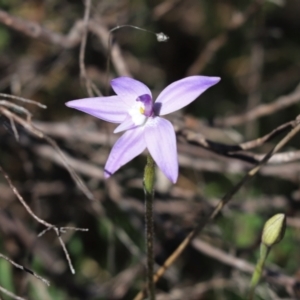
(129,89)
(111,109)
(161,143)
(126,124)
(127,147)
(182,92)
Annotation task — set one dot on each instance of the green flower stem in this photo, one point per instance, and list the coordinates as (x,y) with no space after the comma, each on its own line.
(264,251)
(149,179)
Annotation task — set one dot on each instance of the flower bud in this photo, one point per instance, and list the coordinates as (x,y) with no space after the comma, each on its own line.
(161,37)
(274,230)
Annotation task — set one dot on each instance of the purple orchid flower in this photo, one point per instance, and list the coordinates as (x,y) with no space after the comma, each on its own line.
(134,109)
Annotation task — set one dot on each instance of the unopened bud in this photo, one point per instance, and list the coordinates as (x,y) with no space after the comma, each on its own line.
(274,230)
(161,37)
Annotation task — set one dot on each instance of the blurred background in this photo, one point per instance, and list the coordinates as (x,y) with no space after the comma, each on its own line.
(58,167)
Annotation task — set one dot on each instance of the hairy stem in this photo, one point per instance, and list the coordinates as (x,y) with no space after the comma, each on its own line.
(264,251)
(149,178)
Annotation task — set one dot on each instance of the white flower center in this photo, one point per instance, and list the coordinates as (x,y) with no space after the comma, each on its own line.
(137,113)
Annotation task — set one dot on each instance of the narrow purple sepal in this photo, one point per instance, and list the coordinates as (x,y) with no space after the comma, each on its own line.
(161,143)
(127,147)
(129,89)
(182,92)
(110,109)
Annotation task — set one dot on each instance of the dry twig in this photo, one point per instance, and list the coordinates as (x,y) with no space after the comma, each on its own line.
(49,226)
(10,294)
(227,197)
(238,151)
(83,74)
(261,110)
(36,132)
(238,19)
(242,265)
(25,269)
(71,40)
(188,156)
(23,100)
(37,31)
